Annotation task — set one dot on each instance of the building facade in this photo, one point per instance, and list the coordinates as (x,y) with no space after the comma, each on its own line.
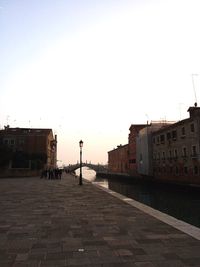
(165,151)
(123,158)
(118,159)
(176,150)
(144,147)
(132,150)
(28,149)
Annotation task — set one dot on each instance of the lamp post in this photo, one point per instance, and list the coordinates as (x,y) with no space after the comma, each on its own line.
(80,145)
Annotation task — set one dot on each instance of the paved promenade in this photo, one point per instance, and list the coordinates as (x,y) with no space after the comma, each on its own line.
(49,223)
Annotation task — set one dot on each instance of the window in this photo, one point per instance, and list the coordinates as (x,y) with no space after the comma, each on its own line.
(158,139)
(9,142)
(195,170)
(184,152)
(162,139)
(163,155)
(194,151)
(192,127)
(176,170)
(12,141)
(174,135)
(5,141)
(186,170)
(175,153)
(183,131)
(168,136)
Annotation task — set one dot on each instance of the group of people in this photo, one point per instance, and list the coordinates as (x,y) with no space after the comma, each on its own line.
(51,173)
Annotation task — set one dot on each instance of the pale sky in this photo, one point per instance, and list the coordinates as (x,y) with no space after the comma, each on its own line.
(89,69)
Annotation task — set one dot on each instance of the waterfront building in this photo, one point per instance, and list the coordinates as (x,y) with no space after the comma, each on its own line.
(118,159)
(123,158)
(164,150)
(144,147)
(27,150)
(134,131)
(176,150)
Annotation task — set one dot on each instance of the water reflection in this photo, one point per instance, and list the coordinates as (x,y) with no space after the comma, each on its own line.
(181,203)
(90,175)
(87,173)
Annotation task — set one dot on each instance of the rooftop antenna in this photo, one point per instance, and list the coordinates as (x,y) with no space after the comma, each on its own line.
(147,118)
(195,95)
(7,119)
(180,106)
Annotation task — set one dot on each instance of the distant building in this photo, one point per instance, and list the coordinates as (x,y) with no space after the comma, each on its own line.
(168,151)
(144,147)
(118,159)
(176,150)
(123,158)
(134,131)
(27,150)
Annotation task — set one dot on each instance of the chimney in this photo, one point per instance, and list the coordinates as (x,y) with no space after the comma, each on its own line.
(194,111)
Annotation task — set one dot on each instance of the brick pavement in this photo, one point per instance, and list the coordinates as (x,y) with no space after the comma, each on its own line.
(49,223)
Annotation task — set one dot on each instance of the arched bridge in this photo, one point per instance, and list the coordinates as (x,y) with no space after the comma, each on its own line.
(96,167)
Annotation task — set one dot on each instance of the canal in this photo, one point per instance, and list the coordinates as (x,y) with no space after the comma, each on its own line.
(180,202)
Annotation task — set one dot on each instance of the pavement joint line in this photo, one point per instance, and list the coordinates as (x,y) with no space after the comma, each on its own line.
(178,224)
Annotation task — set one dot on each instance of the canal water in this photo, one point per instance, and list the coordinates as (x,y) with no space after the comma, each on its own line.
(180,202)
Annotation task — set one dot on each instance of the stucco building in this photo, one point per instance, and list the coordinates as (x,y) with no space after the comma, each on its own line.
(144,147)
(176,150)
(134,131)
(27,150)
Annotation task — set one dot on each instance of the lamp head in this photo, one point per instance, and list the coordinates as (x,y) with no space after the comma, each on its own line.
(81,143)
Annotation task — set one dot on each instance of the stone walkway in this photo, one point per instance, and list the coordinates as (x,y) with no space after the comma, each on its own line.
(49,223)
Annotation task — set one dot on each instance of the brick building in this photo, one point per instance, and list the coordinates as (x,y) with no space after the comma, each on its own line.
(176,150)
(118,159)
(123,158)
(27,150)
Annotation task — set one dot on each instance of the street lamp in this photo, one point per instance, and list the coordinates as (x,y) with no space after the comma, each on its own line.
(80,178)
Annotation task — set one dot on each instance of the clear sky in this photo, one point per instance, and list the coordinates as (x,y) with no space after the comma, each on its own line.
(89,69)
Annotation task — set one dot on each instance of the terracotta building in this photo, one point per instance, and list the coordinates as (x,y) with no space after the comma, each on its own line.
(118,159)
(27,150)
(176,150)
(123,158)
